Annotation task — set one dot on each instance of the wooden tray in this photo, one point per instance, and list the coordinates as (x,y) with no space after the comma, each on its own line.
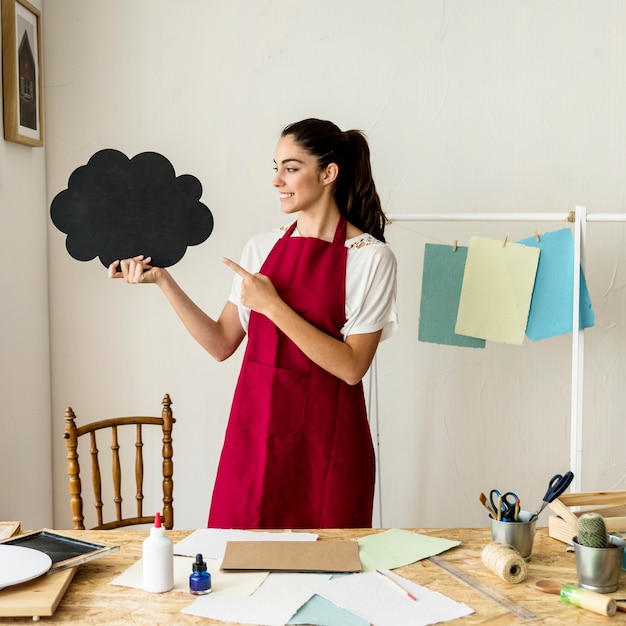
(610,504)
(64,551)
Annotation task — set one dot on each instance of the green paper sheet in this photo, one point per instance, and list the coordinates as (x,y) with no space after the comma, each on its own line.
(497,289)
(442,279)
(396,547)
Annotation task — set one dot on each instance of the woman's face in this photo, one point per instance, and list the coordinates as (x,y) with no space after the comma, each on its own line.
(299,182)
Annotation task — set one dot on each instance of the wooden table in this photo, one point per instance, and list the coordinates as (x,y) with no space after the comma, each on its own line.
(91,600)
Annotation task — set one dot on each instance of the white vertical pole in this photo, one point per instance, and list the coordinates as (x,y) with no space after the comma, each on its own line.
(578,350)
(371,395)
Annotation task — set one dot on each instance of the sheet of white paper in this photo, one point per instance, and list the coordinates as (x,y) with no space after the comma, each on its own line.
(378,602)
(211,542)
(273,604)
(222,583)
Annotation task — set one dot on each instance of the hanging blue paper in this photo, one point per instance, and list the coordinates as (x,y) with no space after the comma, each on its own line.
(552,301)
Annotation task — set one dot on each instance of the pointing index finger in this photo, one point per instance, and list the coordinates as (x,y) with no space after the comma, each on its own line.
(236,268)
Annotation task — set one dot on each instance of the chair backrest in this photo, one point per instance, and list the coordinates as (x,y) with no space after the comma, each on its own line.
(73,433)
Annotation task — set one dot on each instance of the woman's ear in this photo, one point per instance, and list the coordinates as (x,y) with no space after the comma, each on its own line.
(330,173)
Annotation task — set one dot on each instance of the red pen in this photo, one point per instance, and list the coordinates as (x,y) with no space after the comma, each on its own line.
(397,586)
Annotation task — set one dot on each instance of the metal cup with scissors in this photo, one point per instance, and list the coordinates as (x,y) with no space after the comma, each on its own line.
(505,505)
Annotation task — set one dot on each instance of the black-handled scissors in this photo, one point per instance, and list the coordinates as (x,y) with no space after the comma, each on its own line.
(505,505)
(556,487)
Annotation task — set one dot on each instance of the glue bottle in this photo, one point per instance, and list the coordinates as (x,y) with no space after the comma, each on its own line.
(158,559)
(199,579)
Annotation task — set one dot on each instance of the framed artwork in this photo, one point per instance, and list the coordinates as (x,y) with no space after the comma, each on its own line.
(22,72)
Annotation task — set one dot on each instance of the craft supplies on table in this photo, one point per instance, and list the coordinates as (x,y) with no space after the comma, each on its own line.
(57,555)
(459,574)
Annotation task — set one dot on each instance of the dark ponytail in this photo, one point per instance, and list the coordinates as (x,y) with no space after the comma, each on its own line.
(355,192)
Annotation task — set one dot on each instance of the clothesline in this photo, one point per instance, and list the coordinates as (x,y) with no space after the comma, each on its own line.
(579,217)
(503,217)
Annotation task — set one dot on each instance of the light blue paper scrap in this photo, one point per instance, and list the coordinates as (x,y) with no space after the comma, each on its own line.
(397,547)
(442,279)
(551,305)
(319,611)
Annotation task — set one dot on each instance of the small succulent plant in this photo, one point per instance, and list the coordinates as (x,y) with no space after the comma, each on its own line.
(592,531)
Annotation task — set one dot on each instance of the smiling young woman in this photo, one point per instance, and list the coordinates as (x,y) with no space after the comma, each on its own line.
(314,300)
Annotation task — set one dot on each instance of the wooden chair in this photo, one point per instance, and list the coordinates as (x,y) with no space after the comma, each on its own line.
(72,434)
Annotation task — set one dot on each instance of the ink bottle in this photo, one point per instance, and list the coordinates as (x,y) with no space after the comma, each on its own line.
(199,579)
(158,559)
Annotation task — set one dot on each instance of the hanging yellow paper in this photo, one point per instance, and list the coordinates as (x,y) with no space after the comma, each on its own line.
(497,289)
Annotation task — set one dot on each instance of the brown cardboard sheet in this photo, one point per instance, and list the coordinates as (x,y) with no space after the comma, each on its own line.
(292,556)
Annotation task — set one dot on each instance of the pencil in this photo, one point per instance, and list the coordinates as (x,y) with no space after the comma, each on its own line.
(397,586)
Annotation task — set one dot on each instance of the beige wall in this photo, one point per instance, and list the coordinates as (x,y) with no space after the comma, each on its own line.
(25,454)
(469,106)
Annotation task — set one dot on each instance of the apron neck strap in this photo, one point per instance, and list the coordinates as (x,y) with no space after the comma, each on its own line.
(340,231)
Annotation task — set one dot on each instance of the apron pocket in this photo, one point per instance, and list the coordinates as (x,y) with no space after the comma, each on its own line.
(273,400)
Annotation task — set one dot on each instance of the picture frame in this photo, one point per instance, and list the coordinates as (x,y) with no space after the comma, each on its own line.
(22,71)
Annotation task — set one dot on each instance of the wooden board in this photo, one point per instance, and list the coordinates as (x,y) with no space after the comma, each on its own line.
(569,507)
(36,598)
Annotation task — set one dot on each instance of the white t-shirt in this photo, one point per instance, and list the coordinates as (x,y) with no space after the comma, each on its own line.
(370,282)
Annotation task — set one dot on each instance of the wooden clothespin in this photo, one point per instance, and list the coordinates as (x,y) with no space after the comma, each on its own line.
(506,238)
(455,245)
(537,236)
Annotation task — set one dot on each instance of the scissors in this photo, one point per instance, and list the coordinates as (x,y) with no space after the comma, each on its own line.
(557,485)
(505,505)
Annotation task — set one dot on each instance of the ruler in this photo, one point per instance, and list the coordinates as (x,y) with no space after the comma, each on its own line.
(486,590)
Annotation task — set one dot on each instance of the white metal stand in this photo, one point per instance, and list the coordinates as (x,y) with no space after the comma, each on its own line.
(580,219)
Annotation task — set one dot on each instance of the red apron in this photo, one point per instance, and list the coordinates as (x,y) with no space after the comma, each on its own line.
(298,451)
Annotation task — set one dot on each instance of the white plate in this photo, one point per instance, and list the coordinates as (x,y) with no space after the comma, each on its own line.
(18,564)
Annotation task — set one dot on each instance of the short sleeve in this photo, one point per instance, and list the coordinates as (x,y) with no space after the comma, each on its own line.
(371,290)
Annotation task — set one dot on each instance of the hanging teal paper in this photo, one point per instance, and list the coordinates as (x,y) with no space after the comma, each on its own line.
(551,305)
(442,279)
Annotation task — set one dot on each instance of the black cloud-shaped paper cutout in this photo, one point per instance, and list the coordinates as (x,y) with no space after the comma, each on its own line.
(116,208)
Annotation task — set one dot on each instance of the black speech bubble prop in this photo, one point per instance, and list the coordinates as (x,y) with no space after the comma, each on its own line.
(116,208)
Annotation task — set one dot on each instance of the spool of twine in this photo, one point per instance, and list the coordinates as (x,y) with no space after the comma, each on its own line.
(505,562)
